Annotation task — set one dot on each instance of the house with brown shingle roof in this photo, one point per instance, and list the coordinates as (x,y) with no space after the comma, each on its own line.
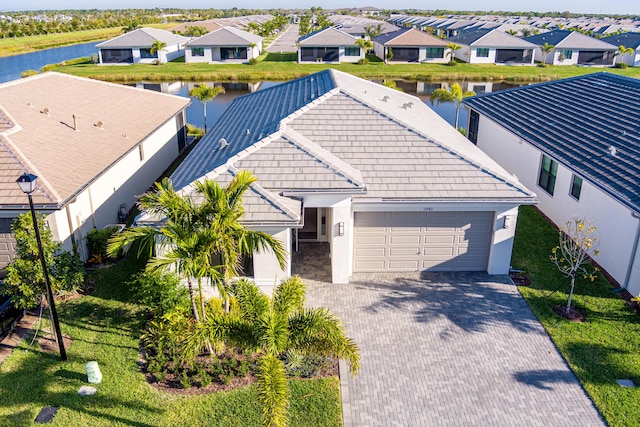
(410,45)
(93,145)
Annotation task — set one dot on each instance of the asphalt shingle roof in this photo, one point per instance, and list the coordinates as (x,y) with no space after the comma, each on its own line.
(564,39)
(488,37)
(226,36)
(142,37)
(575,121)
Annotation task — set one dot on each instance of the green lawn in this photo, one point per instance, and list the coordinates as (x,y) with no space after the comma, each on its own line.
(601,350)
(105,327)
(280,67)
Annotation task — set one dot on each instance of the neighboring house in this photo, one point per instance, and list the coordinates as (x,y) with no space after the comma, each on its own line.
(209,25)
(631,40)
(367,10)
(572,47)
(358,26)
(577,141)
(411,45)
(93,145)
(491,46)
(135,47)
(226,44)
(373,172)
(329,45)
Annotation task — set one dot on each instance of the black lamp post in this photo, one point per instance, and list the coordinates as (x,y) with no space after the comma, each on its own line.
(27,183)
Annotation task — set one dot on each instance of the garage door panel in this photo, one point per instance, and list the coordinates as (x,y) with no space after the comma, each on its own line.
(404,240)
(436,241)
(403,265)
(367,240)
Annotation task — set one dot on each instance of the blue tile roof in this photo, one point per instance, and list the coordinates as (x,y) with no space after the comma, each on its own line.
(383,38)
(625,39)
(468,37)
(551,37)
(575,121)
(260,113)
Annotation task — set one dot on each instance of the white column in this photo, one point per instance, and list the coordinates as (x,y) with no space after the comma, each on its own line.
(502,245)
(341,237)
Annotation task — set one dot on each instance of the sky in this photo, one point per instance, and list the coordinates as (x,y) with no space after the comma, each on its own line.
(574,6)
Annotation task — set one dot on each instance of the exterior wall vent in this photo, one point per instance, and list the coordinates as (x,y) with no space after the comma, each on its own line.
(223,143)
(612,151)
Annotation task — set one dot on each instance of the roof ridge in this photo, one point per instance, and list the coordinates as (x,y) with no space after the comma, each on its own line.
(337,165)
(272,198)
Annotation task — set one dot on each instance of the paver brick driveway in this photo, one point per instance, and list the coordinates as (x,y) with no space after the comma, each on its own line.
(450,349)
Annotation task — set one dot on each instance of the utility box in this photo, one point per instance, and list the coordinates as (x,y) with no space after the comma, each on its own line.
(94,376)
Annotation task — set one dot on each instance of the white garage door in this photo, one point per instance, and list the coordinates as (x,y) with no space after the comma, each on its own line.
(412,241)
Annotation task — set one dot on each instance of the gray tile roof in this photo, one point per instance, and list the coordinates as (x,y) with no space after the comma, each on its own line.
(333,132)
(142,37)
(575,121)
(487,37)
(564,39)
(226,36)
(327,37)
(409,37)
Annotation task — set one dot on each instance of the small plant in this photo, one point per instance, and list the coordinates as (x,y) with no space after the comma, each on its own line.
(28,73)
(363,61)
(97,243)
(97,259)
(389,55)
(226,378)
(185,379)
(622,65)
(576,245)
(253,61)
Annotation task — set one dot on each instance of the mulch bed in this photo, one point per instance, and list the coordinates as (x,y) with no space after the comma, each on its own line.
(574,314)
(520,279)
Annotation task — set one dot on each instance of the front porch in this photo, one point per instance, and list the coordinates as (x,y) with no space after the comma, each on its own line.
(312,261)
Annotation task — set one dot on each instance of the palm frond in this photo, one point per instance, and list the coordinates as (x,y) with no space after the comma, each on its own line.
(252,303)
(273,332)
(318,330)
(121,242)
(273,391)
(289,296)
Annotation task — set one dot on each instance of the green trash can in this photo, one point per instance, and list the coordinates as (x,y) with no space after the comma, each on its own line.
(94,376)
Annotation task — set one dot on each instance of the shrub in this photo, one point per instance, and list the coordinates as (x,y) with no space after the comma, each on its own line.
(253,61)
(159,292)
(97,242)
(193,130)
(363,61)
(28,73)
(621,65)
(302,365)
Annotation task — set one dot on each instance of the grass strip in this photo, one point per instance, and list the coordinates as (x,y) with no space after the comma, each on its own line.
(601,350)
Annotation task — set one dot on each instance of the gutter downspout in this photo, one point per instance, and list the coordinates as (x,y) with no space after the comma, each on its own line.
(634,251)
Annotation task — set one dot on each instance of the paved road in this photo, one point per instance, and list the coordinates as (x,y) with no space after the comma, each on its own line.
(450,350)
(286,42)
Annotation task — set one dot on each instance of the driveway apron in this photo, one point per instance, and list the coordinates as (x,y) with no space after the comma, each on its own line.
(450,349)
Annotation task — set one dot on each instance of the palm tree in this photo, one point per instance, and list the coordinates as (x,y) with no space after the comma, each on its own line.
(546,48)
(373,31)
(365,44)
(205,94)
(233,241)
(452,47)
(622,51)
(182,242)
(455,96)
(156,48)
(271,327)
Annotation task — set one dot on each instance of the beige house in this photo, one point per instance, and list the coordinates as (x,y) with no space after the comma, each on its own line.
(93,145)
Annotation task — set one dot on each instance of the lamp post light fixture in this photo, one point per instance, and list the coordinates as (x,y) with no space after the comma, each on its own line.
(27,183)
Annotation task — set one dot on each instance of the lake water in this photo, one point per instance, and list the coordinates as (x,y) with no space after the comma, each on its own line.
(11,67)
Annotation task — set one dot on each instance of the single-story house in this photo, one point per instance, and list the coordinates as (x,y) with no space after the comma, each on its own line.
(491,46)
(577,141)
(572,47)
(627,40)
(373,172)
(359,26)
(329,45)
(226,44)
(136,46)
(185,27)
(93,145)
(411,45)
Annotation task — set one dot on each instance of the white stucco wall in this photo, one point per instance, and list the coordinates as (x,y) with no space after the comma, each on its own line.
(463,53)
(616,228)
(475,59)
(266,270)
(97,205)
(190,58)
